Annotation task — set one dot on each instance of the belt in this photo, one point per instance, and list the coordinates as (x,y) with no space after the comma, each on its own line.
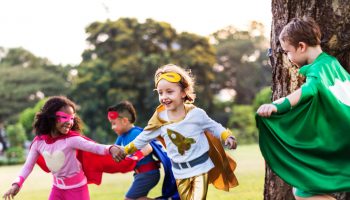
(147,167)
(73,180)
(201,159)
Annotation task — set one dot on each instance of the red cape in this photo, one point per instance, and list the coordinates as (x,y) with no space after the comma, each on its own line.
(93,164)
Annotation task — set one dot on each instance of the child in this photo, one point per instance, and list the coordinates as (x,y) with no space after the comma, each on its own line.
(57,129)
(306,143)
(122,117)
(183,126)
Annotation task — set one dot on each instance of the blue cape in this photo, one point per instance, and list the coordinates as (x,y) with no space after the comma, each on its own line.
(169,189)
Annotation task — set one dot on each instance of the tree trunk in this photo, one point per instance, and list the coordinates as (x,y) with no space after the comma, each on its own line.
(334,20)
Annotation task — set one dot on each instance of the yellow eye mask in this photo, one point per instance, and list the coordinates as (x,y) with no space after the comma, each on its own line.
(169,76)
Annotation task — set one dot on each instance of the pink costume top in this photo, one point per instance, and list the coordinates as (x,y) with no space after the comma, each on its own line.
(61,159)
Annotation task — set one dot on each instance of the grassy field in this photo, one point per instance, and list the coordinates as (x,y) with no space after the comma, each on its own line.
(250,174)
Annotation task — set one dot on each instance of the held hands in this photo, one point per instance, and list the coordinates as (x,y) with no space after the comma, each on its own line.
(11,192)
(266,110)
(231,142)
(117,153)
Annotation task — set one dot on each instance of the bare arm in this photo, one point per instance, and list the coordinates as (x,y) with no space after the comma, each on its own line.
(294,97)
(147,150)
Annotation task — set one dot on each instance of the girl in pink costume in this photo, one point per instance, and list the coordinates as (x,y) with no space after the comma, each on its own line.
(57,141)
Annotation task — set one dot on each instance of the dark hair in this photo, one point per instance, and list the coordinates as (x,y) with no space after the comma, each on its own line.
(125,109)
(301,30)
(45,119)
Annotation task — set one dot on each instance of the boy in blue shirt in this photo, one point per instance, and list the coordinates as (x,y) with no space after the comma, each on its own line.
(122,118)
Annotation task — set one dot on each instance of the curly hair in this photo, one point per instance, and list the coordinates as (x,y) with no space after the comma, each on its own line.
(186,83)
(45,119)
(125,109)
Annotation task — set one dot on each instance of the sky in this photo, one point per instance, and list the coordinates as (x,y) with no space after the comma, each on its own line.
(55,29)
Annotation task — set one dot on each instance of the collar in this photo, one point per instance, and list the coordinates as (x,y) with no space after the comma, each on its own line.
(50,140)
(157,122)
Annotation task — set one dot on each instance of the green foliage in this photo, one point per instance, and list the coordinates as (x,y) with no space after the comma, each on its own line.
(15,155)
(24,79)
(242,119)
(3,160)
(242,56)
(223,111)
(263,96)
(26,118)
(16,135)
(19,57)
(120,63)
(242,122)
(102,136)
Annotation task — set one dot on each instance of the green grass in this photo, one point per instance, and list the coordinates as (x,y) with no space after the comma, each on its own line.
(250,174)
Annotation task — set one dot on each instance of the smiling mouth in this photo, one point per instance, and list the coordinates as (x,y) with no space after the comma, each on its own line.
(66,128)
(167,102)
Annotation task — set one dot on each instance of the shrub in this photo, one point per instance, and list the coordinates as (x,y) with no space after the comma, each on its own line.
(15,155)
(16,135)
(242,122)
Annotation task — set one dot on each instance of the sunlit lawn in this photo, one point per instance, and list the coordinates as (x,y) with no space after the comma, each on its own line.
(250,174)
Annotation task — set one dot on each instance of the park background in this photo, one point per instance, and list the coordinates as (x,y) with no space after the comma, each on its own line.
(101,52)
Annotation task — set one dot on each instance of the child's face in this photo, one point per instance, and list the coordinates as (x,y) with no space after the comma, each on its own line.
(295,55)
(64,120)
(171,95)
(119,125)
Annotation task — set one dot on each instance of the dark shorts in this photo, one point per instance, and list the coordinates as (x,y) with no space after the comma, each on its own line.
(143,183)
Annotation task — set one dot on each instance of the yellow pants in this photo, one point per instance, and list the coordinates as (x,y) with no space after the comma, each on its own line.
(193,188)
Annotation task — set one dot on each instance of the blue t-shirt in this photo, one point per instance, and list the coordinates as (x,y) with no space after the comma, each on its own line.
(127,137)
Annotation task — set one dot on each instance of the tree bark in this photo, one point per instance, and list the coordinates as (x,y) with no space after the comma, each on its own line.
(333,16)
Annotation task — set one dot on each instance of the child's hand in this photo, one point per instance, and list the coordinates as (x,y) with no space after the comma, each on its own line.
(231,142)
(266,110)
(11,192)
(117,152)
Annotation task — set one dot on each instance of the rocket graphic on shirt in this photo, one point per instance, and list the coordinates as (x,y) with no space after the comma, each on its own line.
(180,141)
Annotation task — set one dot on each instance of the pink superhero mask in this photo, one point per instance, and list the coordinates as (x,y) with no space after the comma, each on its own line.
(63,117)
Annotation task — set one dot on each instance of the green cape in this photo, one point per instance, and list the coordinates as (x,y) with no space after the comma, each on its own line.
(309,146)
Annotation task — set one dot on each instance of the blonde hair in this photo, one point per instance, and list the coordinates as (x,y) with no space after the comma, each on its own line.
(186,83)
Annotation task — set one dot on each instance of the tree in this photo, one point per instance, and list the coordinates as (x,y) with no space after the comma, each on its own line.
(242,120)
(120,63)
(263,96)
(333,18)
(26,118)
(25,78)
(242,56)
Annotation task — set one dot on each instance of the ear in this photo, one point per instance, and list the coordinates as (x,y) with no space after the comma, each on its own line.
(302,46)
(125,120)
